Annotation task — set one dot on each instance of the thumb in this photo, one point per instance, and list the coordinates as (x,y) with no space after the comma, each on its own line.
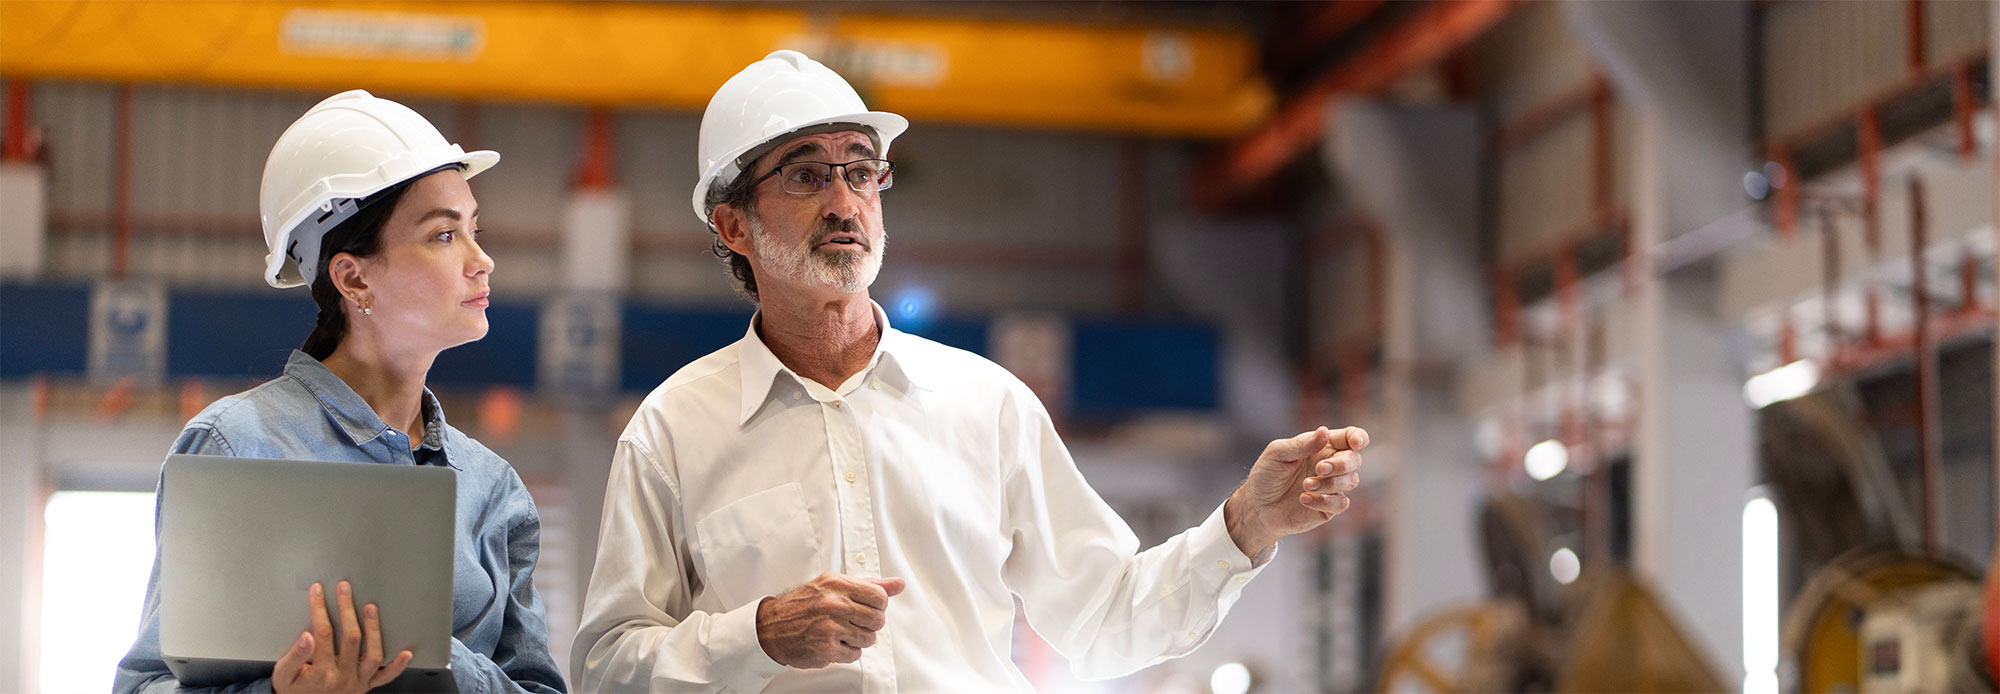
(892,586)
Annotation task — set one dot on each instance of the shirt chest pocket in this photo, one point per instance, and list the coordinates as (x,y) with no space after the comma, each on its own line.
(761,544)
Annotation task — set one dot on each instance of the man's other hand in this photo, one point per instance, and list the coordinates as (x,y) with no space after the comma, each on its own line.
(826,620)
(1296,485)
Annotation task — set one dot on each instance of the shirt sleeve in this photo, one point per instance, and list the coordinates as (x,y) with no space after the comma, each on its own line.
(640,631)
(1085,586)
(520,662)
(143,669)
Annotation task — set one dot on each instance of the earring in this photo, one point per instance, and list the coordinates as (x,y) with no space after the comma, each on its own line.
(366,311)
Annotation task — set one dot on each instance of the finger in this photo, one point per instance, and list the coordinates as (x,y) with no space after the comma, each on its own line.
(1339,463)
(350,628)
(371,653)
(868,620)
(863,592)
(891,586)
(322,631)
(292,662)
(858,639)
(1297,447)
(390,671)
(1350,439)
(846,654)
(1325,503)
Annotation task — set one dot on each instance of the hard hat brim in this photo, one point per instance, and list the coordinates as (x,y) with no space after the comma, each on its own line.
(280,273)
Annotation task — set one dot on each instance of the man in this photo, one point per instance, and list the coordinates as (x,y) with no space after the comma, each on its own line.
(830,504)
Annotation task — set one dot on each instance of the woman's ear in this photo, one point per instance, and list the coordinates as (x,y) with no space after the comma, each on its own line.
(349,277)
(733,226)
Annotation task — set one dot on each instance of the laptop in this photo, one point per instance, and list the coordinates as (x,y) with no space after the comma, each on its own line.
(243,539)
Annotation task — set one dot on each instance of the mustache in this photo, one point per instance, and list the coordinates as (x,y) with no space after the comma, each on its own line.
(826,228)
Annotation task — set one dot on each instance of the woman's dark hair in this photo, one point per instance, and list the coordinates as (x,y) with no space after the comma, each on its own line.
(360,235)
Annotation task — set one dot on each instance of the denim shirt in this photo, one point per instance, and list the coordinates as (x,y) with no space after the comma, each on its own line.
(499,639)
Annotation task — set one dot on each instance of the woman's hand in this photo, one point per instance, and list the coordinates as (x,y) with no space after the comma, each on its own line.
(314,665)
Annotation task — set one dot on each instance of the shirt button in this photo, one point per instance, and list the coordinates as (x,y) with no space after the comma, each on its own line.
(850,477)
(860,558)
(877,385)
(1222,564)
(1240,579)
(795,396)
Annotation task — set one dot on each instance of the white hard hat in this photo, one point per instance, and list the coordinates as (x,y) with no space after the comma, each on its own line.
(784,93)
(346,148)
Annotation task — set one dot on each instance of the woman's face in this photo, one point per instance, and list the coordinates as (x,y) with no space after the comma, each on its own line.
(427,287)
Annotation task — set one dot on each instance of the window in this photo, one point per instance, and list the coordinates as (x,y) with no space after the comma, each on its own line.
(96,557)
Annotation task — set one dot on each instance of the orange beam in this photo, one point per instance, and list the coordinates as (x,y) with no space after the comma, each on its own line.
(1327,23)
(595,171)
(1431,35)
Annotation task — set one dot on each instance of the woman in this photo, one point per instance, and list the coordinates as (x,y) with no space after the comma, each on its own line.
(365,202)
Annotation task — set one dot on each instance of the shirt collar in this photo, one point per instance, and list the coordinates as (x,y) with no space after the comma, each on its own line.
(760,368)
(352,414)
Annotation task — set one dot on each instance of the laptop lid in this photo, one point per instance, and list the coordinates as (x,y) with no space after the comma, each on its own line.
(243,539)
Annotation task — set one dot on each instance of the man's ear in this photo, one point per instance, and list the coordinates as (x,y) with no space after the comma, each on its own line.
(733,226)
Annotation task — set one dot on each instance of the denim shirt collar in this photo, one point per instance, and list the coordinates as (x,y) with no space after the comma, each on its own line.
(353,415)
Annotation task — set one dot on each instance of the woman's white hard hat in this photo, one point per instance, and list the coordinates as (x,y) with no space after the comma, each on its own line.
(782,94)
(346,148)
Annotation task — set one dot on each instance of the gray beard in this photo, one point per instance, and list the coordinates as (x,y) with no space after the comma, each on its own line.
(821,269)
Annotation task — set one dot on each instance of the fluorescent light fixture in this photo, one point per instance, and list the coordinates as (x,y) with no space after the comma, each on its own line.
(1230,678)
(1782,383)
(1564,566)
(1760,594)
(1546,459)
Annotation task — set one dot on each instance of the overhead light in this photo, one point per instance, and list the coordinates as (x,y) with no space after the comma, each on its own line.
(1230,678)
(1760,595)
(1564,566)
(1546,459)
(1782,383)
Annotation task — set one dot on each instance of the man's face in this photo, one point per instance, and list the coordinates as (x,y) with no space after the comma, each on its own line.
(831,241)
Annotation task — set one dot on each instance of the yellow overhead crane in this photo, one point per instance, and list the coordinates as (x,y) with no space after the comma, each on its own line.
(1164,81)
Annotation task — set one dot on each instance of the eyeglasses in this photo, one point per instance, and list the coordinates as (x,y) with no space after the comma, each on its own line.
(864,176)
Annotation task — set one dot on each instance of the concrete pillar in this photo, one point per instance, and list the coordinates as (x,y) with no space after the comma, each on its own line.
(1415,172)
(1681,68)
(21,497)
(24,219)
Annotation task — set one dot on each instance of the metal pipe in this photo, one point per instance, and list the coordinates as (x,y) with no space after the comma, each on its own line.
(1927,383)
(1913,25)
(1131,226)
(121,186)
(16,145)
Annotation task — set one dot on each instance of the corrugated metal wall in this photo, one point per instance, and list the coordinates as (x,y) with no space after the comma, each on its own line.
(1821,58)
(1545,183)
(197,155)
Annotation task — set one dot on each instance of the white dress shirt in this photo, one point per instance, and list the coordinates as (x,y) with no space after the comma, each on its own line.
(737,480)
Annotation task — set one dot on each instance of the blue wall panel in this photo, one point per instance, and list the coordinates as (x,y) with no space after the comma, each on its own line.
(43,328)
(1121,368)
(235,334)
(505,357)
(656,341)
